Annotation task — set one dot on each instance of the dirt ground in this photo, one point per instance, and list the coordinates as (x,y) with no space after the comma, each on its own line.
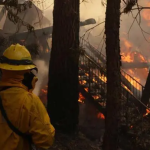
(75,142)
(89,135)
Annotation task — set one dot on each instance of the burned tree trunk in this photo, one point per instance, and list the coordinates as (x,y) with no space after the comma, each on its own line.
(146,94)
(113,74)
(63,70)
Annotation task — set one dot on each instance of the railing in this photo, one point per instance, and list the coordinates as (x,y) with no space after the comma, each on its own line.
(128,81)
(132,122)
(93,78)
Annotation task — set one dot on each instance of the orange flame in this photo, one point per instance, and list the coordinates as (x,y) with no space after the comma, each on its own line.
(126,57)
(86,89)
(100,116)
(96,97)
(47,50)
(81,98)
(131,127)
(133,82)
(103,78)
(147,112)
(43,95)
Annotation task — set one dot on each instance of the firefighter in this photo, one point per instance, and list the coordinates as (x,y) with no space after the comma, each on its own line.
(24,110)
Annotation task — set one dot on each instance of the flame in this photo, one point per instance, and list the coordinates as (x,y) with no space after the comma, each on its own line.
(83,82)
(133,82)
(94,80)
(96,97)
(103,78)
(126,57)
(43,95)
(87,74)
(100,116)
(44,91)
(47,50)
(127,88)
(142,58)
(81,98)
(127,44)
(147,112)
(126,50)
(131,127)
(86,89)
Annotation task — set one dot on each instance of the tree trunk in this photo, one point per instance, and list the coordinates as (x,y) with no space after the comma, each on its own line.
(63,70)
(145,95)
(112,26)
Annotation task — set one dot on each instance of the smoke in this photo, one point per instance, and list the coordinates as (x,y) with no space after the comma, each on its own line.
(94,9)
(129,32)
(42,75)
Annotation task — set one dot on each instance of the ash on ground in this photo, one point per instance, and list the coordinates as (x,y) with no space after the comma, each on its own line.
(90,131)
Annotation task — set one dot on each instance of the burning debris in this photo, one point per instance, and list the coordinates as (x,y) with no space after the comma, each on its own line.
(81,98)
(147,112)
(130,55)
(43,95)
(100,116)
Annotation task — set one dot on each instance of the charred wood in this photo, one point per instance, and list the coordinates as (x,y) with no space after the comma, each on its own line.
(126,65)
(146,94)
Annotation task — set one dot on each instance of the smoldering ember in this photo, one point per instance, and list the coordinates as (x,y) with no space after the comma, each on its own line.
(91,59)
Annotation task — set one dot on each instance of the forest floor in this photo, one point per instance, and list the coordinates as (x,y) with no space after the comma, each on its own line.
(89,134)
(77,141)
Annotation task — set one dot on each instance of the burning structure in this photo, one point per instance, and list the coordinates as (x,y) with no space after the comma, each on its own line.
(131,60)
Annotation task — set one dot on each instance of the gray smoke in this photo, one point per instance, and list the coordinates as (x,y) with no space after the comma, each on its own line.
(42,76)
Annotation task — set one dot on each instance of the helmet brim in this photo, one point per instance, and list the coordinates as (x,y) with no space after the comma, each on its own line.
(16,67)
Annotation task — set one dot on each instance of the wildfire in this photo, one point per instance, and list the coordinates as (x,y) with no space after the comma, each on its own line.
(81,98)
(47,50)
(94,80)
(126,88)
(87,74)
(44,91)
(103,78)
(142,59)
(132,56)
(96,97)
(133,81)
(43,95)
(127,57)
(126,51)
(127,44)
(83,82)
(131,127)
(86,89)
(100,116)
(147,112)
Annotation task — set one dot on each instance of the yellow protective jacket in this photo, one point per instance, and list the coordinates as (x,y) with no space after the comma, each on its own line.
(27,113)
